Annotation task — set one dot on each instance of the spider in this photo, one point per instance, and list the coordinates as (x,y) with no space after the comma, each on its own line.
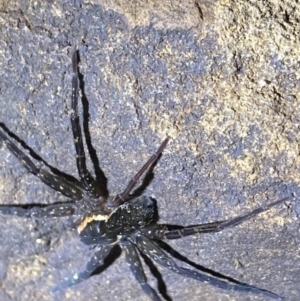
(125,220)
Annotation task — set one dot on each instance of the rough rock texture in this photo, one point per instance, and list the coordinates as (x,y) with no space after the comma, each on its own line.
(220,77)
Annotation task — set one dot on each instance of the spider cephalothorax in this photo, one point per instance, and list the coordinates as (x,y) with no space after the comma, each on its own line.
(126,220)
(122,222)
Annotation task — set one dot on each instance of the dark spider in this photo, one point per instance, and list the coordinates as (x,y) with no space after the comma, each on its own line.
(128,221)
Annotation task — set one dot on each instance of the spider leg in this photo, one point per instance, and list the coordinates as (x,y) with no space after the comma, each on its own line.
(39,211)
(86,179)
(97,260)
(154,252)
(121,198)
(162,232)
(58,183)
(135,264)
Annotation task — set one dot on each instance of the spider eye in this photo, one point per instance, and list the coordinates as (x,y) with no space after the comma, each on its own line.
(148,207)
(148,203)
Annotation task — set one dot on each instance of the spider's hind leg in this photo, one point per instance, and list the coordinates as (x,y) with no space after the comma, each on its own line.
(135,264)
(154,252)
(38,210)
(95,261)
(58,183)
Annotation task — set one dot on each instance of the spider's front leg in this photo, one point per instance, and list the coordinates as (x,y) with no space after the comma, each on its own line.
(163,232)
(121,198)
(89,184)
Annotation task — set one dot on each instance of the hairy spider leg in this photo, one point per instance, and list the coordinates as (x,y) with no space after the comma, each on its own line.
(121,198)
(95,261)
(162,232)
(154,252)
(39,210)
(58,183)
(89,184)
(135,265)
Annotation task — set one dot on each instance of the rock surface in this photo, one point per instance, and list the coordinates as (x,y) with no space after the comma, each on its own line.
(220,77)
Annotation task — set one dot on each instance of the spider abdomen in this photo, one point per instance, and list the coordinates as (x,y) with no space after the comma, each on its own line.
(92,229)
